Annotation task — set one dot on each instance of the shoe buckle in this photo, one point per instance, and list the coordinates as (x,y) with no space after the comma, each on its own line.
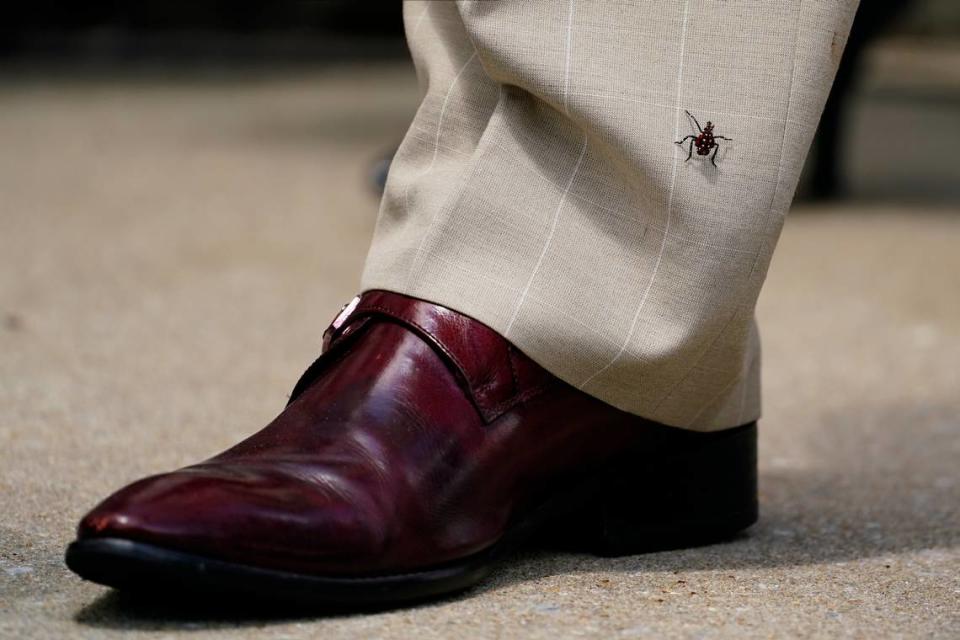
(339,321)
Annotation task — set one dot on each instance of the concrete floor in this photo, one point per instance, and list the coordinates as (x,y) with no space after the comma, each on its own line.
(170,252)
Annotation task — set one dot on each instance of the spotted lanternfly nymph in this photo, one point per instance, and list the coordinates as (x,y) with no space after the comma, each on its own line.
(704,142)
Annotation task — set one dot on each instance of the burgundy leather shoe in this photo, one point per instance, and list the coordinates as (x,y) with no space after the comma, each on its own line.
(418,449)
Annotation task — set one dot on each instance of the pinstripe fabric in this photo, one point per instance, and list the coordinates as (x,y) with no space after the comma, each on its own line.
(540,191)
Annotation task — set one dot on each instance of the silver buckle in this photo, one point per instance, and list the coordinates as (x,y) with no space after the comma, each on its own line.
(339,321)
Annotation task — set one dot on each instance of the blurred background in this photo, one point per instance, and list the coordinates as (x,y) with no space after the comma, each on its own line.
(886,132)
(187,193)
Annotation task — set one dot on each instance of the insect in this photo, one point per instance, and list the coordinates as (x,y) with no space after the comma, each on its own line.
(704,142)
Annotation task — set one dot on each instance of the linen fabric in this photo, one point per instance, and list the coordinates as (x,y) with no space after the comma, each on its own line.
(541,191)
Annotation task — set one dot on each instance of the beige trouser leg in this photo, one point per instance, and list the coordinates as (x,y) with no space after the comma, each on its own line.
(540,190)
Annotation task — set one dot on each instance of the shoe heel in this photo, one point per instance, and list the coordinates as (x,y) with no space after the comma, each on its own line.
(703,496)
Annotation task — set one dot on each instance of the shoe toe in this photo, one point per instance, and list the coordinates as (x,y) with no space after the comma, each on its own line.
(261,515)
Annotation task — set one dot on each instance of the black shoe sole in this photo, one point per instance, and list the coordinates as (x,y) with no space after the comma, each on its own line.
(137,566)
(705,495)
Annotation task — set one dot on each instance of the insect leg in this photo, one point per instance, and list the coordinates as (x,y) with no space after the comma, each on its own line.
(699,128)
(716,148)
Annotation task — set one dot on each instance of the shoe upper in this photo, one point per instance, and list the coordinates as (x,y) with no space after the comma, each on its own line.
(418,436)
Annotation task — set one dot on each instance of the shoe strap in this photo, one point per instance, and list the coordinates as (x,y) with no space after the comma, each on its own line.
(494,373)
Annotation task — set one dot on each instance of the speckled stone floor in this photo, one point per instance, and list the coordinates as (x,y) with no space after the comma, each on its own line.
(171,250)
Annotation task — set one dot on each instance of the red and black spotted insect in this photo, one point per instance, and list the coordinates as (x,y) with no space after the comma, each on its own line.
(704,142)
